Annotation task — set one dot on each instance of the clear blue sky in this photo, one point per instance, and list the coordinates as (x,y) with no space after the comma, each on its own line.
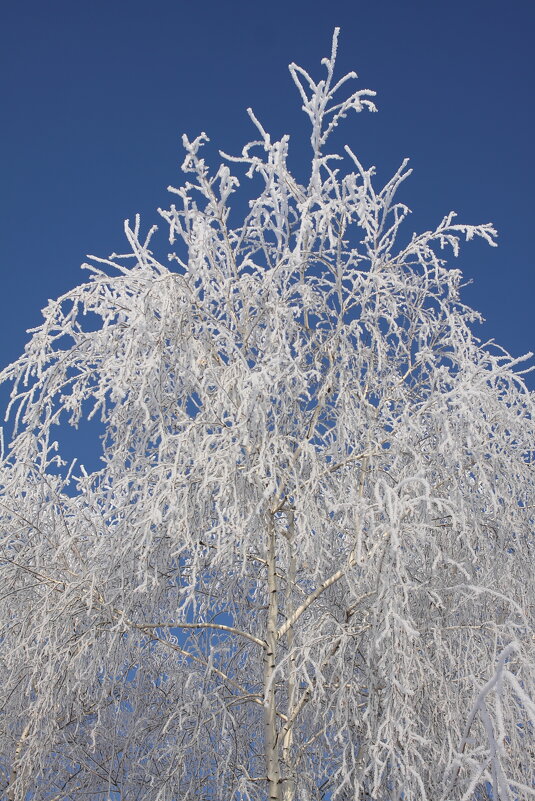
(95,96)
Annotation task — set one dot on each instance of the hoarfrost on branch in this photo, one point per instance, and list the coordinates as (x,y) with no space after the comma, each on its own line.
(304,568)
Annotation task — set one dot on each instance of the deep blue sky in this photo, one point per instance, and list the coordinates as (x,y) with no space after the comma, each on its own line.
(95,96)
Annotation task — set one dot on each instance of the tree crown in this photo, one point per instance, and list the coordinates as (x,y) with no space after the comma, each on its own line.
(312,527)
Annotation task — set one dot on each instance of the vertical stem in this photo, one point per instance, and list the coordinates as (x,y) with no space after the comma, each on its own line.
(287,740)
(270,656)
(16,759)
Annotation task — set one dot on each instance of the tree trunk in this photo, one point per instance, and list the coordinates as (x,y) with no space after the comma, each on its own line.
(287,740)
(270,655)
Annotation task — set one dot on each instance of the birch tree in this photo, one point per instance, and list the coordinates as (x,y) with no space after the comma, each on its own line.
(303,569)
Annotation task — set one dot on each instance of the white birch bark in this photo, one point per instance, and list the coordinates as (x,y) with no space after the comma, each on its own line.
(271,745)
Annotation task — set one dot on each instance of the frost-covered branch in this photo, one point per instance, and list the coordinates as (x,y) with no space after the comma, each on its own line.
(306,537)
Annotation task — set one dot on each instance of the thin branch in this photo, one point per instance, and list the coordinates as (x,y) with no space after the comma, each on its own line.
(212,668)
(218,626)
(316,594)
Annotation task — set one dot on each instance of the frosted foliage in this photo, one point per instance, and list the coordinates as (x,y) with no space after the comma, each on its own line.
(304,568)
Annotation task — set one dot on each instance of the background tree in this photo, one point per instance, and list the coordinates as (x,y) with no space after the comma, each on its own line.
(304,568)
